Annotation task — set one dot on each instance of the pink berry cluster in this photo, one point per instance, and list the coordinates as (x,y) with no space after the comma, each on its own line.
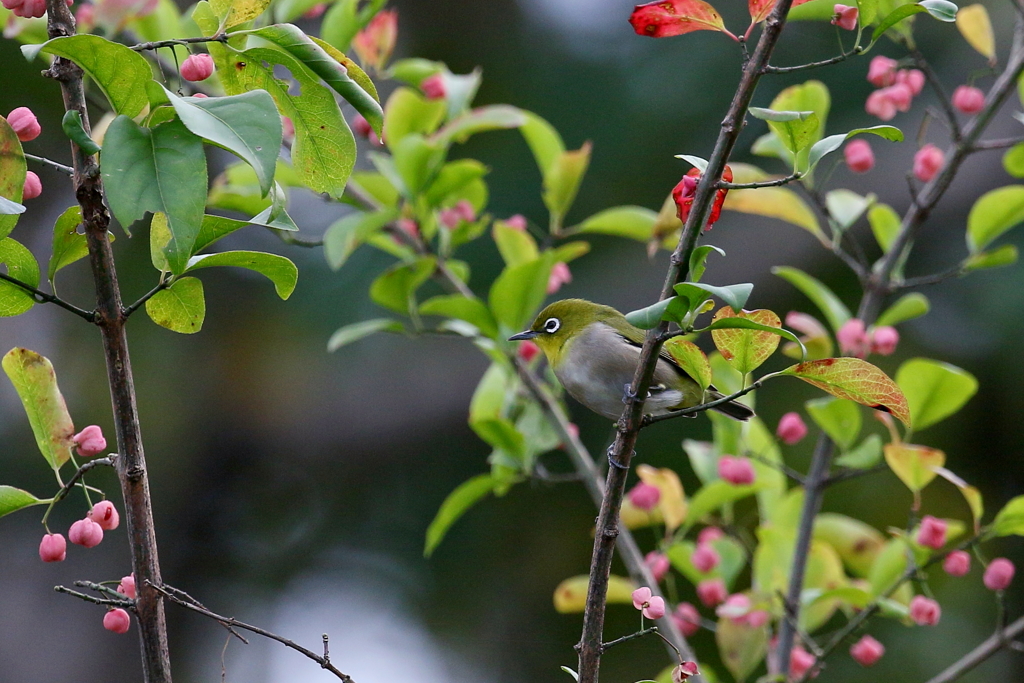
(897,88)
(27,128)
(855,339)
(463,211)
(29,9)
(118,620)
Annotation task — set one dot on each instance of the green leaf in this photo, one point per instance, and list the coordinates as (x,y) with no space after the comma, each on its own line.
(934,390)
(324,150)
(480,120)
(279,270)
(451,179)
(543,140)
(340,24)
(287,10)
(571,672)
(865,455)
(22,266)
(698,260)
(1005,255)
(1010,520)
(746,348)
(396,287)
(697,162)
(235,12)
(648,317)
(68,244)
(907,307)
(346,234)
(846,207)
(691,359)
(940,9)
(734,295)
(796,129)
(856,380)
(714,495)
(515,246)
(12,176)
(631,222)
(458,501)
(885,225)
(356,331)
(856,542)
(415,70)
(9,208)
(180,308)
(834,310)
(779,116)
(562,181)
(741,646)
(915,465)
(408,112)
(36,383)
(839,418)
(519,291)
(276,215)
(994,213)
(833,142)
(1013,160)
(12,500)
(292,40)
(416,160)
(247,125)
(120,72)
(738,323)
(73,128)
(811,96)
(161,169)
(460,307)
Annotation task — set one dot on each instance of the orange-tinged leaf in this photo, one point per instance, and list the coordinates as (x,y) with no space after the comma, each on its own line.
(675,17)
(691,359)
(571,594)
(976,28)
(760,9)
(633,517)
(673,501)
(915,465)
(856,380)
(746,349)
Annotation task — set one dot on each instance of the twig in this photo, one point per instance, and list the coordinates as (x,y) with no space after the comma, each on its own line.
(621,451)
(768,69)
(106,602)
(847,474)
(324,662)
(933,279)
(995,642)
(625,639)
(66,170)
(156,45)
(981,145)
(933,80)
(185,596)
(162,285)
(44,298)
(763,183)
(651,419)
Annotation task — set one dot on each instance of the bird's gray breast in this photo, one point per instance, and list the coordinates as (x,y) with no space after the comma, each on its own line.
(598,365)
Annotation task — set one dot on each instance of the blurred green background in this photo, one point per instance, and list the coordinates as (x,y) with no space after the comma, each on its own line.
(292,488)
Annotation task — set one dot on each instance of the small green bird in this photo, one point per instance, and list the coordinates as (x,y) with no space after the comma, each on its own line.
(594,352)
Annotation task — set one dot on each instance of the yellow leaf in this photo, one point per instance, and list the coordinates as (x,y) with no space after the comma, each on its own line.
(633,517)
(746,350)
(673,500)
(774,202)
(691,359)
(976,28)
(571,594)
(914,465)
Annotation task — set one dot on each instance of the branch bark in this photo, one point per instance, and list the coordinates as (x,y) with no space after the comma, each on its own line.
(131,463)
(994,644)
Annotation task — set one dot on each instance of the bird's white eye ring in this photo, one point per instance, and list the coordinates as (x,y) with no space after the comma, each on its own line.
(551,325)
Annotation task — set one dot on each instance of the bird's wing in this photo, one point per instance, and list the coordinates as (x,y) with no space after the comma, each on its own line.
(632,340)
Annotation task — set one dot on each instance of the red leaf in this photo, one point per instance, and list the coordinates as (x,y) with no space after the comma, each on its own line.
(760,9)
(675,17)
(856,380)
(683,194)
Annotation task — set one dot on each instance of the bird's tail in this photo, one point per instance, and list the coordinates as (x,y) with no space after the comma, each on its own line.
(733,409)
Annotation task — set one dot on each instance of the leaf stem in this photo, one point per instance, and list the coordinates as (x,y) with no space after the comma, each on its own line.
(156,45)
(44,298)
(66,170)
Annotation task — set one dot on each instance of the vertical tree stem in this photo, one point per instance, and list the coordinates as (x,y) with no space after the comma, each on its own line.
(131,463)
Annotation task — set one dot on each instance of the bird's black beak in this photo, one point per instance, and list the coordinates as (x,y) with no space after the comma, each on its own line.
(523,336)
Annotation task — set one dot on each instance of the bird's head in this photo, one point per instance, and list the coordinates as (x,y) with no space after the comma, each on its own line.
(562,321)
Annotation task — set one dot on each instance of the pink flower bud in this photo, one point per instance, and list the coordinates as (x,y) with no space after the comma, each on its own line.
(90,441)
(884,340)
(900,94)
(791,429)
(287,128)
(867,651)
(203,96)
(527,350)
(800,660)
(758,618)
(712,592)
(85,17)
(687,619)
(315,11)
(117,620)
(968,99)
(105,514)
(86,533)
(879,104)
(375,43)
(33,186)
(913,79)
(927,162)
(53,548)
(853,338)
(925,611)
(845,17)
(709,534)
(736,471)
(705,558)
(858,155)
(24,123)
(684,671)
(560,275)
(127,586)
(433,87)
(197,68)
(462,211)
(998,574)
(882,71)
(361,126)
(957,563)
(932,532)
(658,564)
(516,222)
(644,496)
(735,607)
(409,227)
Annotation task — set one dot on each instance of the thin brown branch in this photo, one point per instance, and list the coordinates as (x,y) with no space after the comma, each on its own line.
(933,279)
(997,143)
(949,114)
(44,298)
(106,602)
(323,661)
(625,639)
(777,182)
(996,642)
(156,45)
(131,463)
(621,451)
(768,69)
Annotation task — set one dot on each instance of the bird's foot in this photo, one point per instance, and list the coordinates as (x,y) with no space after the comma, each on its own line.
(615,463)
(627,394)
